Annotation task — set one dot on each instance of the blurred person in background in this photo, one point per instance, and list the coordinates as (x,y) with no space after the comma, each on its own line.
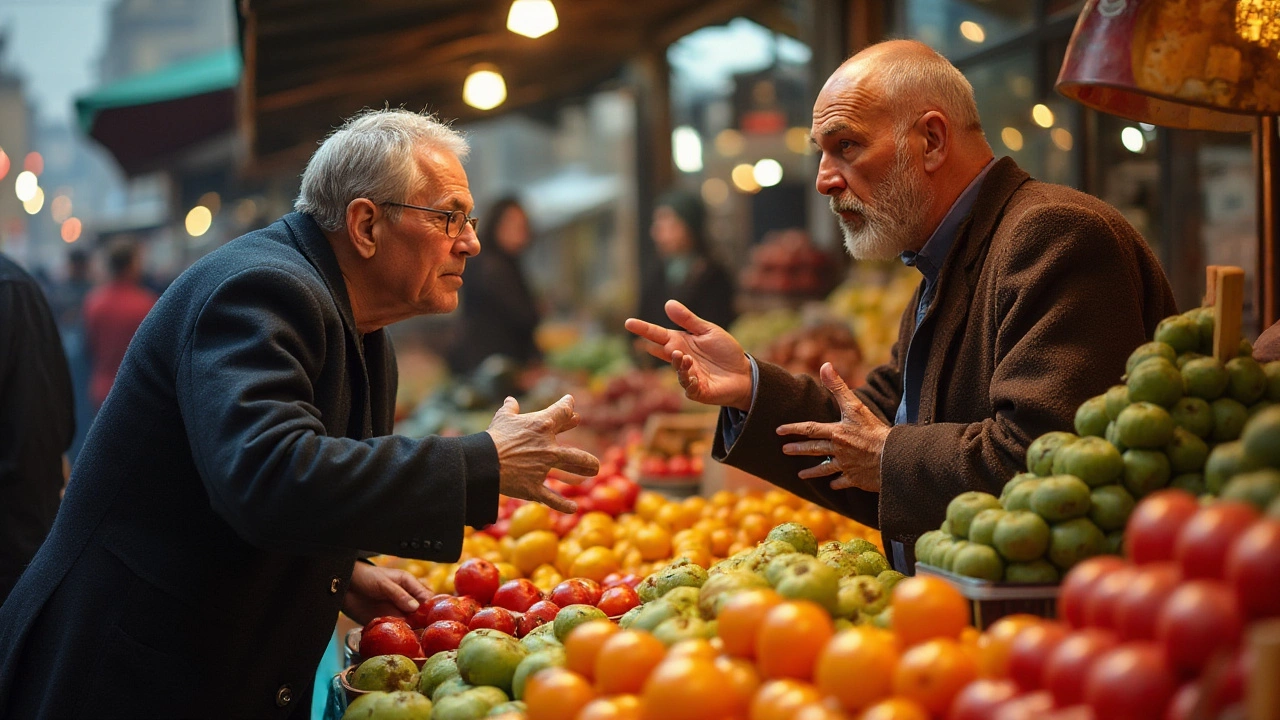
(244,461)
(37,420)
(499,313)
(685,271)
(67,299)
(67,302)
(112,314)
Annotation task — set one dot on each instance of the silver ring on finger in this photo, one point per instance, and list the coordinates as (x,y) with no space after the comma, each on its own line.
(831,463)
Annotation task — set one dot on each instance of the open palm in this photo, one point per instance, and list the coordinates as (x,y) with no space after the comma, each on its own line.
(710,364)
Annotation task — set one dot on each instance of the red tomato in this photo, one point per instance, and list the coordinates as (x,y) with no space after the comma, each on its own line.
(1029,651)
(1199,617)
(441,636)
(1203,542)
(383,619)
(1183,705)
(654,466)
(585,504)
(1130,681)
(679,465)
(630,491)
(1065,670)
(1253,569)
(1139,603)
(495,618)
(1079,584)
(576,591)
(540,613)
(477,578)
(1100,605)
(389,638)
(1152,530)
(608,500)
(1075,712)
(564,523)
(980,699)
(1031,706)
(617,600)
(452,607)
(517,595)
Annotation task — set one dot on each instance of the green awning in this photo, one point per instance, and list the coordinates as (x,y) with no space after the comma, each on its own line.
(147,120)
(209,73)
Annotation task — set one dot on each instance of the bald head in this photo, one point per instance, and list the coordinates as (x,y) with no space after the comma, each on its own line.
(899,136)
(911,79)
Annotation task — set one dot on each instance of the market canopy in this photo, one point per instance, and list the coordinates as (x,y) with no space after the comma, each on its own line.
(311,63)
(145,119)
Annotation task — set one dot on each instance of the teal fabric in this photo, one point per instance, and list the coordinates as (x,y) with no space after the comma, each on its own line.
(208,73)
(330,666)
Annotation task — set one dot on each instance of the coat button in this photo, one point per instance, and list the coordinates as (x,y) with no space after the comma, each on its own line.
(415,544)
(284,696)
(334,584)
(438,545)
(404,544)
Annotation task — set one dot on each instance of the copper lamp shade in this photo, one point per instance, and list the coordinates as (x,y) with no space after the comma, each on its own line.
(1192,64)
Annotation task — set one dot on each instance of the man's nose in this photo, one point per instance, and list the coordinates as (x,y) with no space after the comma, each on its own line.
(829,180)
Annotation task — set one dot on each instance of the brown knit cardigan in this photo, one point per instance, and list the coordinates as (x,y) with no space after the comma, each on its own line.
(1042,298)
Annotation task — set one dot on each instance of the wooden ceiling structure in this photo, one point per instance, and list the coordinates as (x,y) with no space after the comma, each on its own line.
(310,63)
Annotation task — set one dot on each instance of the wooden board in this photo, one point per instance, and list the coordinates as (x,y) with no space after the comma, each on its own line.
(1228,310)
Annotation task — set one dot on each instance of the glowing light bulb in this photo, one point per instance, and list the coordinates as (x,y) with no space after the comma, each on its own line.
(484,88)
(1042,115)
(532,18)
(686,149)
(767,172)
(198,221)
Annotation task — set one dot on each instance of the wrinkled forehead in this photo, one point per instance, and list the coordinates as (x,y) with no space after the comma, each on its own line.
(852,98)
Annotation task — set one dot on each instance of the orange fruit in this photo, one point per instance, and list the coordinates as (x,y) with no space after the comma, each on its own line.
(993,645)
(818,521)
(624,661)
(534,548)
(721,540)
(740,618)
(694,648)
(568,552)
(618,707)
(673,518)
(933,672)
(754,527)
(595,536)
(779,699)
(653,541)
(583,645)
(648,504)
(790,638)
(868,654)
(595,518)
(556,693)
(894,709)
(594,563)
(686,688)
(747,506)
(529,517)
(925,608)
(819,711)
(744,681)
(781,514)
(723,498)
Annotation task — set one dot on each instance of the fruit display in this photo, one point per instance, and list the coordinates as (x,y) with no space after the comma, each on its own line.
(872,301)
(547,547)
(1182,419)
(787,262)
(628,400)
(804,350)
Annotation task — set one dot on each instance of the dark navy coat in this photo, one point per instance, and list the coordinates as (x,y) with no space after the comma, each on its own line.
(238,467)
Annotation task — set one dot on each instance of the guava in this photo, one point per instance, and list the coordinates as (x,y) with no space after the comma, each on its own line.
(679,573)
(857,546)
(765,552)
(949,557)
(1091,417)
(1261,437)
(437,669)
(570,617)
(799,536)
(1194,415)
(1042,450)
(1189,482)
(674,630)
(773,571)
(1246,381)
(387,673)
(1060,497)
(1073,541)
(1229,416)
(469,705)
(1259,488)
(397,705)
(1145,471)
(810,581)
(1148,351)
(1110,507)
(1021,536)
(1092,459)
(1038,571)
(983,526)
(451,686)
(979,561)
(1227,460)
(1186,452)
(653,613)
(544,636)
(860,594)
(1179,332)
(889,579)
(1117,399)
(1155,381)
(1204,378)
(492,659)
(532,663)
(719,588)
(963,507)
(1272,371)
(1144,425)
(1019,498)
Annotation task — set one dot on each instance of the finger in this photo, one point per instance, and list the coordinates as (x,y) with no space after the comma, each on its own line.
(575,461)
(413,586)
(392,591)
(511,405)
(821,470)
(844,482)
(569,478)
(818,448)
(849,402)
(685,318)
(656,350)
(824,431)
(554,500)
(561,414)
(648,331)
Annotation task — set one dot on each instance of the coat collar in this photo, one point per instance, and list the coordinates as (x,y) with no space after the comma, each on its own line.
(1004,178)
(315,246)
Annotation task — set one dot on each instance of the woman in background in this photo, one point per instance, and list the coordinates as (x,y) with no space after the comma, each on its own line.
(686,271)
(499,313)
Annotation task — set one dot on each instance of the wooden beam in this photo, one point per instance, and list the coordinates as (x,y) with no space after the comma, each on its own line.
(1267,156)
(715,12)
(1228,309)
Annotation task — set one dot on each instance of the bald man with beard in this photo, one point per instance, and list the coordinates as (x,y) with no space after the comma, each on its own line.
(1032,296)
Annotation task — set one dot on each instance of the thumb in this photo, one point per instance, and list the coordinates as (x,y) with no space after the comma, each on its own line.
(838,387)
(685,318)
(392,591)
(511,406)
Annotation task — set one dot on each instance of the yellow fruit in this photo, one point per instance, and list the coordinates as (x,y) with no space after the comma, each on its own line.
(528,518)
(648,503)
(595,564)
(568,552)
(596,535)
(653,542)
(533,549)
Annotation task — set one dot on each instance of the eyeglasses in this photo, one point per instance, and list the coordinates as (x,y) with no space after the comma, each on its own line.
(456,219)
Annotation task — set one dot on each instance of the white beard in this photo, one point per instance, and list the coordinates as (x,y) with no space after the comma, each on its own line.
(895,222)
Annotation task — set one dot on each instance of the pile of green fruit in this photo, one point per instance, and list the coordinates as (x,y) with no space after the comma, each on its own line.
(1177,421)
(851,580)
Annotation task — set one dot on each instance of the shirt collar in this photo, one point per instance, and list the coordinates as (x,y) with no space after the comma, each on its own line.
(930,258)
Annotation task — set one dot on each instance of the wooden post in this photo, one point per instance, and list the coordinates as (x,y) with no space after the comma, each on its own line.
(1210,285)
(1267,157)
(1228,308)
(1263,701)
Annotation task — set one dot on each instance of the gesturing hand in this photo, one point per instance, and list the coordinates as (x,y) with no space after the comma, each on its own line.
(379,591)
(527,450)
(710,364)
(852,446)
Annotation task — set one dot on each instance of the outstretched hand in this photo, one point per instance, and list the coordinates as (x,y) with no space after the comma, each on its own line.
(528,449)
(852,446)
(376,591)
(709,363)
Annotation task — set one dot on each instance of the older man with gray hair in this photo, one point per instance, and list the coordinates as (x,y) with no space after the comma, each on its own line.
(243,461)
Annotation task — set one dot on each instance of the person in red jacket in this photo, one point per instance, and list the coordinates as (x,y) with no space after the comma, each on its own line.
(112,314)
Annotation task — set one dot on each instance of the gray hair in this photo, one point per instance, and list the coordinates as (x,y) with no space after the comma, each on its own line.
(370,156)
(924,80)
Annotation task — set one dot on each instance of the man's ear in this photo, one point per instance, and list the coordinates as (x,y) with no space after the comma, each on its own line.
(937,136)
(361,214)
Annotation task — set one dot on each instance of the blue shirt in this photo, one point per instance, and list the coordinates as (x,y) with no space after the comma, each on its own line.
(929,262)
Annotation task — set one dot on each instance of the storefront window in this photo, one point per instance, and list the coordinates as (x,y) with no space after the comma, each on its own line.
(957,28)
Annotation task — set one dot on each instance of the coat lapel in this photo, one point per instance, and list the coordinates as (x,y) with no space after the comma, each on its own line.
(960,273)
(315,247)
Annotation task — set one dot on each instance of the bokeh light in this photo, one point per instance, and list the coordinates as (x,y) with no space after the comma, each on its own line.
(484,88)
(60,208)
(972,31)
(211,200)
(198,221)
(71,230)
(36,202)
(715,191)
(744,178)
(730,143)
(1061,137)
(767,172)
(1011,138)
(797,139)
(1042,115)
(25,185)
(33,163)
